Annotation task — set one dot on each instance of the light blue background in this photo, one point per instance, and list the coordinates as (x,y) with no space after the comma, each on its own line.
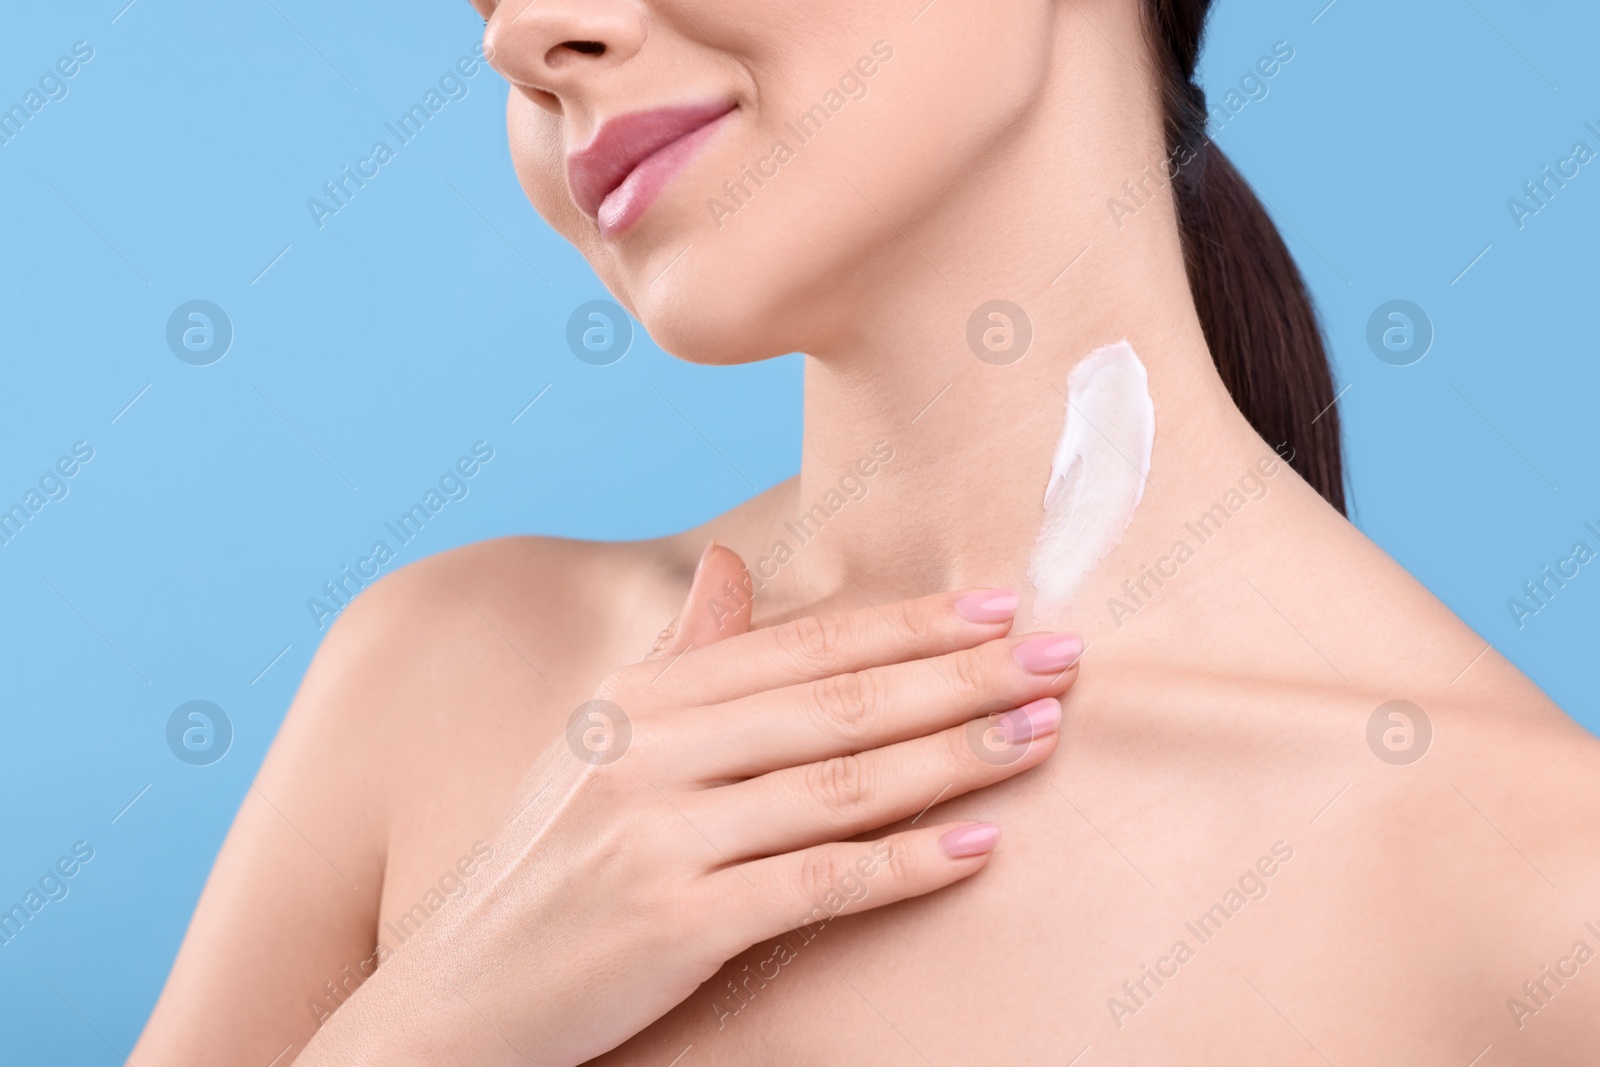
(429,312)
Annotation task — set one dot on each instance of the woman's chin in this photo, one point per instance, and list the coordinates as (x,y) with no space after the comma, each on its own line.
(714,303)
(685,324)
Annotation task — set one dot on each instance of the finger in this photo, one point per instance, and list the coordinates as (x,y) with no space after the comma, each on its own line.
(709,614)
(818,646)
(803,890)
(839,798)
(853,712)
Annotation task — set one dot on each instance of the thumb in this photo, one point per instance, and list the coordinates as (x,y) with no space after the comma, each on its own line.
(718,606)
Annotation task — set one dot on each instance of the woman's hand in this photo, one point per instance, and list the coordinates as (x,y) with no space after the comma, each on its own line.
(705,801)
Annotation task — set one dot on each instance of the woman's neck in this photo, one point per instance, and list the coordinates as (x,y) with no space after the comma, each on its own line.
(971,435)
(961,501)
(930,472)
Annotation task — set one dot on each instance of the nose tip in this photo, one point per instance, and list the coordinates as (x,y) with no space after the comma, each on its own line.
(548,45)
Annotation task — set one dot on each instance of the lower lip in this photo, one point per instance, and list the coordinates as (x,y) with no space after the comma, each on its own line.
(628,202)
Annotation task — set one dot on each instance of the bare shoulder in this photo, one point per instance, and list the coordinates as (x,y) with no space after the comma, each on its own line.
(543,614)
(419,715)
(1495,824)
(1511,774)
(1540,765)
(512,624)
(548,590)
(439,684)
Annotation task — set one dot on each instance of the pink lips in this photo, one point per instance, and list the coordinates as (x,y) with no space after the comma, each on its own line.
(616,178)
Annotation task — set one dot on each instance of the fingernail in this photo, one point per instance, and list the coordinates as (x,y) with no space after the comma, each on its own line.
(704,554)
(991,605)
(972,840)
(1049,654)
(1039,719)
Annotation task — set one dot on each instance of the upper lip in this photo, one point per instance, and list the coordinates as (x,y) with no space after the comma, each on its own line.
(626,141)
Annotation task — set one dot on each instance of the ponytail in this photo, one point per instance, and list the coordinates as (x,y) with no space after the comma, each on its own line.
(1258,319)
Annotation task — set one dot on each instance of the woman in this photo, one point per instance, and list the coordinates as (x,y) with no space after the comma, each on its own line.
(1294,812)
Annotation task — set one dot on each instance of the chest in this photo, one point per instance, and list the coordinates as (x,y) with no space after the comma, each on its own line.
(1159,897)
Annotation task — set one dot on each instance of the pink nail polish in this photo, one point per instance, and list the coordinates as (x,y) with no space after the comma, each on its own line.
(1039,719)
(972,840)
(1049,654)
(991,605)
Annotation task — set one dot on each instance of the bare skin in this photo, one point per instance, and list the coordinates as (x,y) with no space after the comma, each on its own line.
(1396,932)
(1219,727)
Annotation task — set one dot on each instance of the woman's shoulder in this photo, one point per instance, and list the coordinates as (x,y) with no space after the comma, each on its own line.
(421,711)
(547,579)
(550,603)
(559,597)
(436,687)
(503,637)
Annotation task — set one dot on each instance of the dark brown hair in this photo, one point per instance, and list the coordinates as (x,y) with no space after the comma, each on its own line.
(1258,318)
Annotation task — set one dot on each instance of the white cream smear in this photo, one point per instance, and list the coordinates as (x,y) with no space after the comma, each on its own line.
(1098,475)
